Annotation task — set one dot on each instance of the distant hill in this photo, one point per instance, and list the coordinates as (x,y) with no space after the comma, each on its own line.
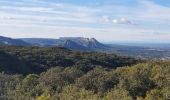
(43,42)
(10,41)
(75,43)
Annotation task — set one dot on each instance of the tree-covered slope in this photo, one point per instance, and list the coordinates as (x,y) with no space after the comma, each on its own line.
(25,60)
(62,74)
(144,81)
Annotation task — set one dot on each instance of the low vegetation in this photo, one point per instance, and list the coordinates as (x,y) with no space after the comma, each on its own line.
(70,75)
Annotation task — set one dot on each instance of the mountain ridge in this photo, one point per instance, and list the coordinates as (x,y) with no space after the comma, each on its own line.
(10,41)
(80,43)
(90,45)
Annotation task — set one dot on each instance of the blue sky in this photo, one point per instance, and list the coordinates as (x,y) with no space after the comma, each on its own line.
(105,20)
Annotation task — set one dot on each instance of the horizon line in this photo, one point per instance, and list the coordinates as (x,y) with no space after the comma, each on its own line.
(106,42)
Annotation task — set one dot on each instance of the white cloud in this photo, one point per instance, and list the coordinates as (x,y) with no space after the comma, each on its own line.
(154,12)
(6,18)
(53,13)
(32,9)
(121,21)
(155,33)
(107,19)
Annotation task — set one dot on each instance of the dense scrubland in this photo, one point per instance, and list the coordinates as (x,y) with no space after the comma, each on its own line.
(34,73)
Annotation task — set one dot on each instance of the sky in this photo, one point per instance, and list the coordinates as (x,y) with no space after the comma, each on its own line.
(105,20)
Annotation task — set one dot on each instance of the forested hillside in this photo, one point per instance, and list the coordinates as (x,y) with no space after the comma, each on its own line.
(34,73)
(26,60)
(144,81)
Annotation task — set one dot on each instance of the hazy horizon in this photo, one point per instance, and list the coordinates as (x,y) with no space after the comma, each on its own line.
(145,21)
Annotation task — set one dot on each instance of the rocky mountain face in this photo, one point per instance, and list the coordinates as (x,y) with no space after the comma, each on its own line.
(86,43)
(10,41)
(72,45)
